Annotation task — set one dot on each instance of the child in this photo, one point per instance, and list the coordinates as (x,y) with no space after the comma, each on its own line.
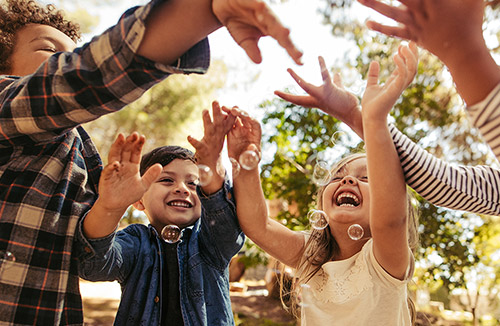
(469,188)
(179,283)
(49,166)
(361,282)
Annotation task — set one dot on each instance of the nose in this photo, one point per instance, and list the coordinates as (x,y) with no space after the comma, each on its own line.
(348,180)
(181,188)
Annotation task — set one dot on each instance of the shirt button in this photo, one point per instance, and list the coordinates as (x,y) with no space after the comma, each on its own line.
(88,250)
(228,196)
(157,299)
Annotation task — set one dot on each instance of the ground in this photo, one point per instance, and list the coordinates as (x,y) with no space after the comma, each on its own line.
(251,307)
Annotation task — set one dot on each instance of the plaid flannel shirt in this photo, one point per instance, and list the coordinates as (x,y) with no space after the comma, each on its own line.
(49,167)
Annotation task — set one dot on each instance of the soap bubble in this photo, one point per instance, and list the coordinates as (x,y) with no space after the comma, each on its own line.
(321,173)
(355,232)
(249,160)
(171,233)
(221,170)
(6,257)
(235,167)
(305,296)
(206,175)
(318,219)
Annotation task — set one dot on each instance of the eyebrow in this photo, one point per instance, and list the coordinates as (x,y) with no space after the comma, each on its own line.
(173,173)
(45,38)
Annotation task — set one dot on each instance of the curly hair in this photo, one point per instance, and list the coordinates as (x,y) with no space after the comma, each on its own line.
(15,14)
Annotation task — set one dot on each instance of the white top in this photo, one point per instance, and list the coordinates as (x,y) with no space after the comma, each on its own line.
(356,291)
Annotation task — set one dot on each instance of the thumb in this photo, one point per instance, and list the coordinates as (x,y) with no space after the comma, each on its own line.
(151,175)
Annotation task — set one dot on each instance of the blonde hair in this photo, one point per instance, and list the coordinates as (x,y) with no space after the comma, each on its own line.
(321,247)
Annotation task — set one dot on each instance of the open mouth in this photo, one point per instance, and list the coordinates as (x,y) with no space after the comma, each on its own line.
(347,199)
(180,203)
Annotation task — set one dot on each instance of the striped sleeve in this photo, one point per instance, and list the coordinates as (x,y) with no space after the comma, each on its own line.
(485,116)
(468,188)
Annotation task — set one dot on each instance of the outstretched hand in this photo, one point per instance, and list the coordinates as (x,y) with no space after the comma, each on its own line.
(245,135)
(249,20)
(434,25)
(331,97)
(379,99)
(121,184)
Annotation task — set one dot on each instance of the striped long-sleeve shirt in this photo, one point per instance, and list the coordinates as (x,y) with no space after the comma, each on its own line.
(49,167)
(470,188)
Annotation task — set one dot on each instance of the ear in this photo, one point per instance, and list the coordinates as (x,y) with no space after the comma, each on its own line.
(138,205)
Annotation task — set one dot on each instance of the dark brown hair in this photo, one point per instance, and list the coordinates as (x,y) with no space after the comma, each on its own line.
(15,14)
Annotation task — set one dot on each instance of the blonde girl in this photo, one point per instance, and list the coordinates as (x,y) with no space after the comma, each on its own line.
(351,282)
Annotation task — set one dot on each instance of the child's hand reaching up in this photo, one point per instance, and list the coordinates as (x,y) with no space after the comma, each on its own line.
(378,100)
(120,185)
(245,135)
(331,97)
(209,148)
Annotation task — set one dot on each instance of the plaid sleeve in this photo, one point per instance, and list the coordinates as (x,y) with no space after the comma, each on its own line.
(72,88)
(469,188)
(485,116)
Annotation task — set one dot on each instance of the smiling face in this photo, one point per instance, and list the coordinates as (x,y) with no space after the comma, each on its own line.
(172,198)
(346,199)
(34,44)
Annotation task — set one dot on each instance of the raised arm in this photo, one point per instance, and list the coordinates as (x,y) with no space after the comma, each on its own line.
(120,186)
(273,237)
(450,29)
(246,20)
(388,210)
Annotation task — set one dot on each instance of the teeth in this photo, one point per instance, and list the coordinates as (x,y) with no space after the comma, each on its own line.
(179,204)
(347,199)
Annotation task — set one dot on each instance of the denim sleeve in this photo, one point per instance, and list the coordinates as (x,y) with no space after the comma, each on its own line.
(221,236)
(105,259)
(101,77)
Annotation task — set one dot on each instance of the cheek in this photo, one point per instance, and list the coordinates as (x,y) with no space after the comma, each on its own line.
(328,195)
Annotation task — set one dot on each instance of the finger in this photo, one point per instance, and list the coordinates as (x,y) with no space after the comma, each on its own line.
(217,112)
(300,100)
(128,147)
(137,149)
(325,74)
(373,71)
(116,148)
(110,169)
(151,175)
(251,47)
(198,145)
(399,14)
(337,80)
(207,121)
(307,87)
(395,31)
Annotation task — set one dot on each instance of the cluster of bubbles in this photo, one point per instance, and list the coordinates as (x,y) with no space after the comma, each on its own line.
(6,257)
(318,220)
(171,233)
(305,296)
(248,160)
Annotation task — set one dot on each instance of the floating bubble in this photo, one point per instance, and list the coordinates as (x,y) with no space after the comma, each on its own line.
(235,167)
(305,297)
(318,219)
(355,232)
(336,137)
(249,160)
(206,175)
(6,256)
(171,233)
(221,170)
(321,173)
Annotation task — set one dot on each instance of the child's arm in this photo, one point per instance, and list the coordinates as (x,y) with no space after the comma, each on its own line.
(246,20)
(273,237)
(120,186)
(208,149)
(452,30)
(388,210)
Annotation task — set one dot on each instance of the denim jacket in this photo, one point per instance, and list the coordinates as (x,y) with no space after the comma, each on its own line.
(134,257)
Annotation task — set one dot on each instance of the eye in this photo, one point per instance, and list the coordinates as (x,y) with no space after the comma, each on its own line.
(336,179)
(52,50)
(193,184)
(363,178)
(166,180)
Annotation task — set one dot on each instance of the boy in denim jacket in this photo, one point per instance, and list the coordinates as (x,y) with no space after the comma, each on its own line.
(165,282)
